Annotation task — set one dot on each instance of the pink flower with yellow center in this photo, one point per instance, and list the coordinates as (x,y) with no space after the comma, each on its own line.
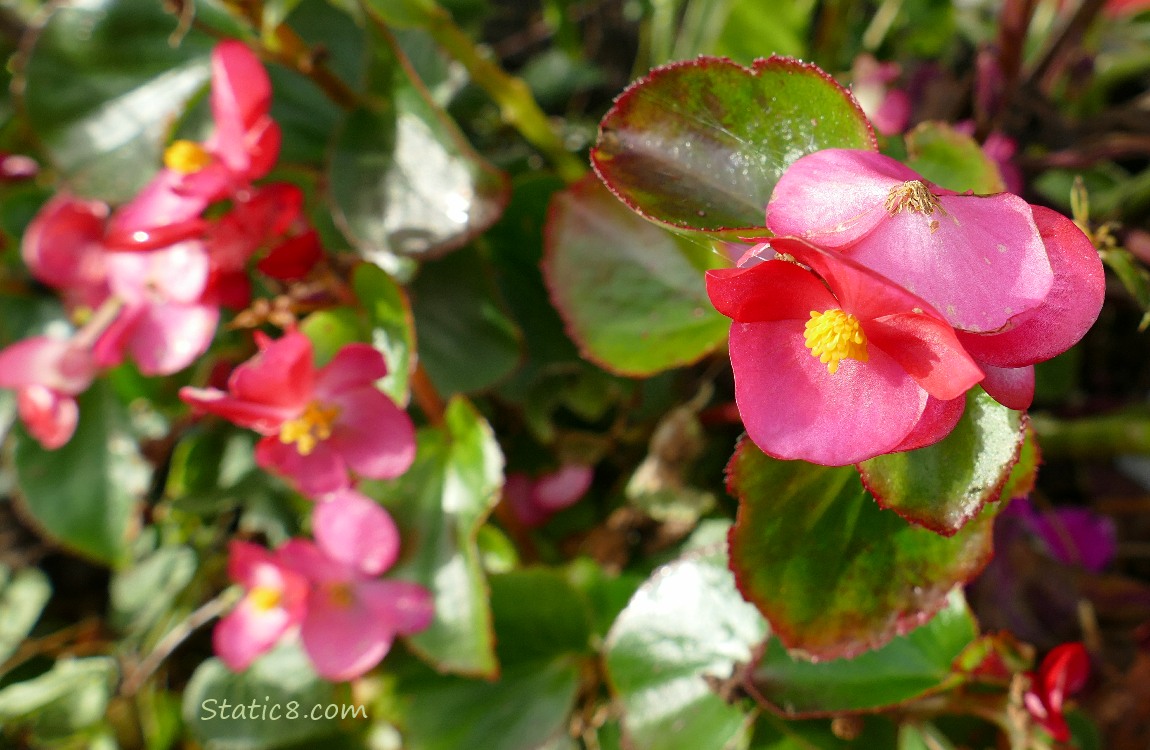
(319,425)
(273,604)
(835,364)
(47,374)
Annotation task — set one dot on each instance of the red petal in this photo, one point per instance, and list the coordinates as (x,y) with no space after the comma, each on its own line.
(1012,387)
(772,290)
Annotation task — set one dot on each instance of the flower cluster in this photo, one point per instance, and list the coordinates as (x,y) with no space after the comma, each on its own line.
(146,281)
(329,590)
(884,298)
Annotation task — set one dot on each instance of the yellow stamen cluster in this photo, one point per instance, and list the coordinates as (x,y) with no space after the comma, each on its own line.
(913,196)
(186,157)
(309,428)
(265,598)
(833,336)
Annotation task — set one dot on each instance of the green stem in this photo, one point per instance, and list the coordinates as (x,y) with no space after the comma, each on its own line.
(1094,437)
(516,103)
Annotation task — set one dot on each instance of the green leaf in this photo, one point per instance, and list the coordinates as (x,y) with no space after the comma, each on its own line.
(402,180)
(439,505)
(405,13)
(908,667)
(85,494)
(952,159)
(925,736)
(538,614)
(1025,471)
(749,33)
(632,294)
(684,626)
(774,733)
(266,706)
(700,144)
(142,594)
(392,333)
(466,340)
(22,599)
(835,574)
(943,486)
(72,695)
(103,84)
(330,330)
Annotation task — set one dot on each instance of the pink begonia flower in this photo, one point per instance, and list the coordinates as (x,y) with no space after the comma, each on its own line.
(1020,283)
(352,616)
(163,322)
(243,148)
(17,167)
(535,500)
(47,374)
(319,425)
(1063,672)
(886,107)
(272,605)
(837,364)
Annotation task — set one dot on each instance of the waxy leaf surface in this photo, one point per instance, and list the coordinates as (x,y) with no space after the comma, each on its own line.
(835,574)
(700,144)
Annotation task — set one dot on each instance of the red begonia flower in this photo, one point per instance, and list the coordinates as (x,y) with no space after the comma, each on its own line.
(837,364)
(1063,672)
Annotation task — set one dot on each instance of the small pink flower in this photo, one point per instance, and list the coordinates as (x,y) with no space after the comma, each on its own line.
(535,500)
(887,107)
(63,248)
(352,616)
(273,604)
(1063,672)
(319,425)
(835,364)
(1020,283)
(243,148)
(47,374)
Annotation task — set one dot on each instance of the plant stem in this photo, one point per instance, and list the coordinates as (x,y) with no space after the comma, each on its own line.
(513,96)
(1094,437)
(427,396)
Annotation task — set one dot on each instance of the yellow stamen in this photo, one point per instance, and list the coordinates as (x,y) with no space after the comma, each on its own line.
(913,196)
(265,598)
(833,336)
(186,157)
(309,428)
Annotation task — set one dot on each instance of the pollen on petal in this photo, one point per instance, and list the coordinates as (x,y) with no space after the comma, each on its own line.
(833,336)
(913,196)
(186,157)
(310,428)
(265,598)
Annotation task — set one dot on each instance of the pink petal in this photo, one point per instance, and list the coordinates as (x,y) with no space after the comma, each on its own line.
(563,487)
(793,408)
(979,260)
(174,274)
(344,642)
(354,530)
(253,566)
(1066,313)
(247,632)
(405,607)
(772,290)
(834,197)
(62,248)
(281,374)
(262,418)
(53,363)
(1011,387)
(374,436)
(49,416)
(161,214)
(169,337)
(320,472)
(928,350)
(353,366)
(937,421)
(241,98)
(305,558)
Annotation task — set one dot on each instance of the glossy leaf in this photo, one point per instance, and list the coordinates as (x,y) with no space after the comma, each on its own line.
(439,505)
(944,485)
(952,159)
(835,574)
(23,595)
(71,696)
(538,614)
(102,85)
(142,594)
(632,294)
(700,144)
(1025,471)
(684,626)
(267,706)
(389,316)
(330,330)
(84,495)
(402,179)
(908,667)
(467,342)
